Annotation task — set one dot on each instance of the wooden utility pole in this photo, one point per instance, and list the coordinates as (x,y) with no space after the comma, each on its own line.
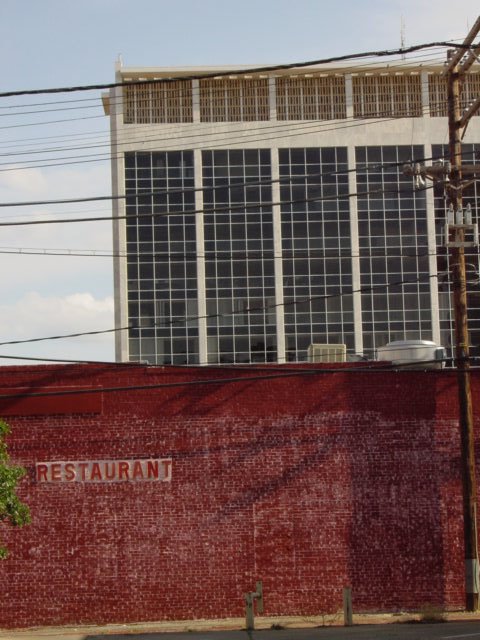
(461,233)
(456,240)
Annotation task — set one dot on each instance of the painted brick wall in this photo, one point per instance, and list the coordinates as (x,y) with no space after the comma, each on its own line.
(309,483)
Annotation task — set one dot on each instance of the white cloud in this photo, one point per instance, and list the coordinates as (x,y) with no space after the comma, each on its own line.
(54,183)
(23,181)
(37,316)
(56,275)
(46,295)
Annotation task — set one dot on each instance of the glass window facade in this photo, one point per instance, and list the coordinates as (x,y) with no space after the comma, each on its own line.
(471,195)
(314,229)
(238,231)
(161,257)
(316,249)
(392,227)
(315,236)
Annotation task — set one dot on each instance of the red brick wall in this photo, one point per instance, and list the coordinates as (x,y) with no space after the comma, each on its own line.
(309,483)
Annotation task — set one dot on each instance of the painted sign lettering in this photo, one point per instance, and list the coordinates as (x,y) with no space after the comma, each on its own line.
(153,470)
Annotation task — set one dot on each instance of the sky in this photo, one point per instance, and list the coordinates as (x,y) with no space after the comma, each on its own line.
(61,43)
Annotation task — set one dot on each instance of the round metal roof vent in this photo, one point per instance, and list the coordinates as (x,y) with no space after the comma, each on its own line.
(413,354)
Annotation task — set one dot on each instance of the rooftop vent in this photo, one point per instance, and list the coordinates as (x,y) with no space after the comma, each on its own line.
(413,354)
(327,353)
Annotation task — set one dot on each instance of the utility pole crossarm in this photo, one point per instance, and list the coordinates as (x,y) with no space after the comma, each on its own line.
(469,113)
(460,52)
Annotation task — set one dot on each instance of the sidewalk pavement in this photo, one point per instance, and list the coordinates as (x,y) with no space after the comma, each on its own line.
(81,632)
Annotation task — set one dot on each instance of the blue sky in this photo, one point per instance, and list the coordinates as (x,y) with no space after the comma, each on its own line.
(55,43)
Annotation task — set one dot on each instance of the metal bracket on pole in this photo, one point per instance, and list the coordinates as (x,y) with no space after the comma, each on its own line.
(471,229)
(459,230)
(250,598)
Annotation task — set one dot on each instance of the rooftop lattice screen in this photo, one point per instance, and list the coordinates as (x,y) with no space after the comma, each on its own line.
(160,102)
(387,96)
(437,89)
(316,98)
(234,100)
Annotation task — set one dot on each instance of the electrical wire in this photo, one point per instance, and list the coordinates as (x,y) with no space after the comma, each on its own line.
(369,167)
(286,180)
(242,208)
(36,124)
(132,129)
(268,307)
(221,129)
(287,128)
(250,376)
(401,65)
(257,136)
(426,58)
(113,102)
(235,256)
(252,70)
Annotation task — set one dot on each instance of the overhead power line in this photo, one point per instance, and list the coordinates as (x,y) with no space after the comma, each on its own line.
(287,180)
(213,140)
(244,255)
(250,376)
(263,69)
(132,128)
(422,59)
(357,69)
(267,307)
(242,208)
(226,129)
(292,128)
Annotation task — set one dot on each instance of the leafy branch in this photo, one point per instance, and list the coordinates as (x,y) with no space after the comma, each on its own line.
(12,510)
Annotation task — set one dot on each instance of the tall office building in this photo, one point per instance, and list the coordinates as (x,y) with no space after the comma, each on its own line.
(261,212)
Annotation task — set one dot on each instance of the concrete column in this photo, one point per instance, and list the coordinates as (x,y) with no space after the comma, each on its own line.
(352,188)
(349,95)
(196,100)
(355,247)
(425,95)
(119,225)
(432,262)
(200,248)
(278,258)
(429,201)
(272,98)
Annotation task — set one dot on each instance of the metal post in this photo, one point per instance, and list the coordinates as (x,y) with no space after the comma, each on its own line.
(347,607)
(249,600)
(249,618)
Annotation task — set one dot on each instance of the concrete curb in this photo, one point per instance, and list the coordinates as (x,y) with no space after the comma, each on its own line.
(80,632)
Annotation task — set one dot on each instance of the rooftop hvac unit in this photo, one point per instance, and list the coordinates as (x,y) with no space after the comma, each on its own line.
(327,353)
(413,354)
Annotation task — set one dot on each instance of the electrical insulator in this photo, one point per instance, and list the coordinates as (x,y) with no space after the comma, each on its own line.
(459,216)
(468,214)
(448,170)
(450,218)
